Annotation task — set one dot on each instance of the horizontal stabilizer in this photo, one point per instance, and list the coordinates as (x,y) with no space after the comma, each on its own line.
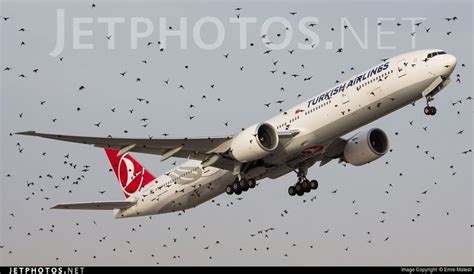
(96,205)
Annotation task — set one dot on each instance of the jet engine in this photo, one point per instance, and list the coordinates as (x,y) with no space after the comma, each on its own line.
(254,143)
(366,147)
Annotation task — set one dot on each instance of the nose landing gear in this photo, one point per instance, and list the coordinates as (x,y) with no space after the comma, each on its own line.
(429,110)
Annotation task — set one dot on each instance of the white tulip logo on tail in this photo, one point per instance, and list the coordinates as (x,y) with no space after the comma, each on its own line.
(126,170)
(131,174)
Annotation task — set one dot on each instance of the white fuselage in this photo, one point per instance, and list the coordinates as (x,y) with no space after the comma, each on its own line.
(349,105)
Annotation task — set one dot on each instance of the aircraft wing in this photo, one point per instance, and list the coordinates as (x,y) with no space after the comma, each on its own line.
(204,149)
(195,148)
(96,205)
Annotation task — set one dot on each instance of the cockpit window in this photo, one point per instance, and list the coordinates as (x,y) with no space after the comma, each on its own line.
(433,54)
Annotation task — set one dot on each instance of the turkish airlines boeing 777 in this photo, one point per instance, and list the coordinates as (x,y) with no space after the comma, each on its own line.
(291,141)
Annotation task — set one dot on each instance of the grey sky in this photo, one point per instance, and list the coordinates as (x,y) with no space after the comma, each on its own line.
(435,237)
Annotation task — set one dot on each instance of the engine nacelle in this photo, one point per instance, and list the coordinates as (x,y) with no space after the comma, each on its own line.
(254,143)
(366,147)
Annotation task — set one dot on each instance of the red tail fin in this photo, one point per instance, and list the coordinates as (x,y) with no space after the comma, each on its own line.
(131,174)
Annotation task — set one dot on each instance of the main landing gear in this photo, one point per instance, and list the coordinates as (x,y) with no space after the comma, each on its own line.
(239,186)
(303,185)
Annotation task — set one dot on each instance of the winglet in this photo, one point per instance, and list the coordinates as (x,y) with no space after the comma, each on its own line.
(28,133)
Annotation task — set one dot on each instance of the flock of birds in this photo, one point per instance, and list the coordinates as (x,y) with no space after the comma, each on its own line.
(44,188)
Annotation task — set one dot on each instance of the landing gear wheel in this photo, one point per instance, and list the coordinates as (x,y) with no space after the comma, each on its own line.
(432,110)
(238,191)
(427,110)
(229,190)
(252,183)
(236,186)
(306,186)
(299,189)
(313,184)
(245,187)
(292,191)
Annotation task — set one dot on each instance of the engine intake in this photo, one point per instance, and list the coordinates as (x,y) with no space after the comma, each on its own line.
(366,147)
(254,143)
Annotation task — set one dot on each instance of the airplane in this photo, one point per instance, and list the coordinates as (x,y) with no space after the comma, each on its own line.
(293,140)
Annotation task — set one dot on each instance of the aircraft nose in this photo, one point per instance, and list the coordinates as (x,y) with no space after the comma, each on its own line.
(449,63)
(451,60)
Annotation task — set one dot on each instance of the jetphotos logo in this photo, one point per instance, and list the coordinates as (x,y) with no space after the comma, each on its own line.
(131,175)
(294,32)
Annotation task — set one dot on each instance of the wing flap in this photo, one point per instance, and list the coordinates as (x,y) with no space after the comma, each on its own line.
(96,205)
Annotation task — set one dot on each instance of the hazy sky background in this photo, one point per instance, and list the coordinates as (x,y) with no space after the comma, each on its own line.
(441,234)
